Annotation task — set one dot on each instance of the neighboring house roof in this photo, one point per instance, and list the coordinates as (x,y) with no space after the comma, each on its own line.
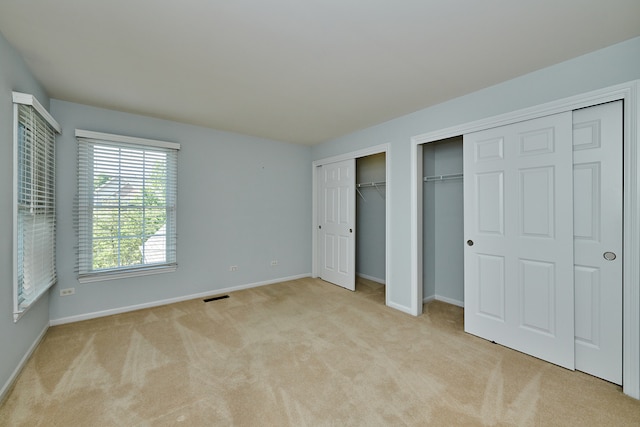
(154,249)
(116,187)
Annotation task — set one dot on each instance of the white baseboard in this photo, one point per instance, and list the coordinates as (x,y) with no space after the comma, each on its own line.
(450,301)
(103,313)
(14,375)
(428,299)
(401,308)
(443,299)
(373,279)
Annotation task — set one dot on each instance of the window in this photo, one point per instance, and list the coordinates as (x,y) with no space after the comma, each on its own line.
(34,221)
(126,213)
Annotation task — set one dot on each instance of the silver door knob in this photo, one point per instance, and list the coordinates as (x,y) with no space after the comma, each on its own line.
(609,256)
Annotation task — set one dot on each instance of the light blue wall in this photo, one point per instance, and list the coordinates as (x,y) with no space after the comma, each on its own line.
(241,201)
(15,338)
(443,222)
(616,64)
(370,218)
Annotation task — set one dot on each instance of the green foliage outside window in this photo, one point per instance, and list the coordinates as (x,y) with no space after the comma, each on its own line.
(125,220)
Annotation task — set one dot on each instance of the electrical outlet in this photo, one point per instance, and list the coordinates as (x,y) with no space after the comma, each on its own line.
(66,292)
(274,263)
(233,268)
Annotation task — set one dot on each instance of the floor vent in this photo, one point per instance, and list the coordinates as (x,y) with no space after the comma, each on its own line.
(215,298)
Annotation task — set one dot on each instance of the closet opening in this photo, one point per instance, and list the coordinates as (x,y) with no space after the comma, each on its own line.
(351,234)
(442,222)
(583,135)
(531,244)
(370,242)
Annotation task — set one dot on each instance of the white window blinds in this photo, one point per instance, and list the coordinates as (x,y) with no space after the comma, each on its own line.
(126,212)
(34,231)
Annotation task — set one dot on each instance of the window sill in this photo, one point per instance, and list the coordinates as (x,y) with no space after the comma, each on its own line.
(17,314)
(115,275)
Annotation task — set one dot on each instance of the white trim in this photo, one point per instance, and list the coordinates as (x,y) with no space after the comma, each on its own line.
(416,229)
(399,307)
(25,99)
(428,299)
(17,313)
(443,299)
(126,309)
(14,375)
(373,279)
(14,245)
(631,250)
(600,96)
(387,225)
(28,99)
(376,149)
(99,136)
(628,92)
(449,300)
(116,274)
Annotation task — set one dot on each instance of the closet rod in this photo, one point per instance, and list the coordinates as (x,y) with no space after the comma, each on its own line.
(371,184)
(443,177)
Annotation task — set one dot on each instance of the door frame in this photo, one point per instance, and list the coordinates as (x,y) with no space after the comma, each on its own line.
(377,149)
(628,93)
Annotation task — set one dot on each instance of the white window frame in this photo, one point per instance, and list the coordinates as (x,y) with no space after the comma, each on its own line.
(45,283)
(85,273)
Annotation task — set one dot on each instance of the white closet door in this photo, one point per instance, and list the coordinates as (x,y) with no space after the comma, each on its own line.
(336,221)
(597,177)
(518,221)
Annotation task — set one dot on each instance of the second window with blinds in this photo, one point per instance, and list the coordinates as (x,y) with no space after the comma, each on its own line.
(126,211)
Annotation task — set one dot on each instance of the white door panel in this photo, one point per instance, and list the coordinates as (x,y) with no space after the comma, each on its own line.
(336,223)
(597,171)
(519,226)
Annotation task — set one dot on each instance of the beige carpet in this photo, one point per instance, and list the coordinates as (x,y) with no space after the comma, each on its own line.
(301,353)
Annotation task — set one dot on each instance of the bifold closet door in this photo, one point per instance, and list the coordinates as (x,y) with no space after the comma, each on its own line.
(336,223)
(518,226)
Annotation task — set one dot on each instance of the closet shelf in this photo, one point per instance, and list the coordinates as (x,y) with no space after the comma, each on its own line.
(371,184)
(375,185)
(446,177)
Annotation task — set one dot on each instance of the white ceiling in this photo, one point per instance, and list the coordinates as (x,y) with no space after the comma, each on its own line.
(302,71)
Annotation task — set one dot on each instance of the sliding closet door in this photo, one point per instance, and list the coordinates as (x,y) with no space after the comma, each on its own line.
(336,223)
(518,221)
(597,171)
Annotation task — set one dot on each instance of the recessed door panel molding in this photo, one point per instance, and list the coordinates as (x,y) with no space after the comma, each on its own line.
(533,235)
(491,286)
(491,149)
(586,135)
(598,239)
(586,201)
(537,202)
(330,203)
(490,215)
(588,305)
(344,248)
(329,246)
(537,142)
(537,296)
(344,204)
(336,223)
